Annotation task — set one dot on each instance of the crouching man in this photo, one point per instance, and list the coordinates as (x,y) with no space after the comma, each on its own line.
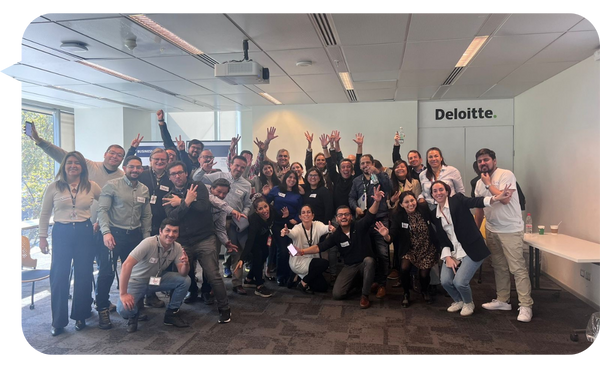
(158,263)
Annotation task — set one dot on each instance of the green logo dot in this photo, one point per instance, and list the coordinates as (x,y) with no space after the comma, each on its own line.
(495,116)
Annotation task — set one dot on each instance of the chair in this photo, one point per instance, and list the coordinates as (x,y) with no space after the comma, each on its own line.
(31,274)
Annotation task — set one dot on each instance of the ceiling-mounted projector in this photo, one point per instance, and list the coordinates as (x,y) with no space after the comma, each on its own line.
(242,72)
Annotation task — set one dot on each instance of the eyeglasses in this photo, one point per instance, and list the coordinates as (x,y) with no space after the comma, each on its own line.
(178,173)
(209,157)
(113,153)
(134,167)
(159,159)
(344,214)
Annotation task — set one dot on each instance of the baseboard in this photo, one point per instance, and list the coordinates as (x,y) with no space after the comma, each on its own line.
(579,296)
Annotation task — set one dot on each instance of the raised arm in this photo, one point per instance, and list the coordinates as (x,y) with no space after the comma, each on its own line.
(396,149)
(164,132)
(359,139)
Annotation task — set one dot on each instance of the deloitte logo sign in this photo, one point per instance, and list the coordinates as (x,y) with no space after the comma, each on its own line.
(471,113)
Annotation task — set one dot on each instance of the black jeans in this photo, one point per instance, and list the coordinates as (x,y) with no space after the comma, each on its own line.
(315,278)
(125,241)
(260,252)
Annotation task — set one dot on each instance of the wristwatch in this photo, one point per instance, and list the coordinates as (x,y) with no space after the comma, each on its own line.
(487,186)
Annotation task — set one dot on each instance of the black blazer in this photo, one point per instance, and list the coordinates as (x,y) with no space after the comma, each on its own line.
(401,236)
(466,230)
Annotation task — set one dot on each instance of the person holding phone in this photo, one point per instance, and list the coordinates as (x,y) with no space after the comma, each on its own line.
(308,267)
(462,247)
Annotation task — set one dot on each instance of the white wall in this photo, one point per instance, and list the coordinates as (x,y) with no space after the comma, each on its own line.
(96,129)
(557,135)
(190,125)
(378,122)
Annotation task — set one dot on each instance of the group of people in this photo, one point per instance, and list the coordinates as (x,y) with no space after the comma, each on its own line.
(277,219)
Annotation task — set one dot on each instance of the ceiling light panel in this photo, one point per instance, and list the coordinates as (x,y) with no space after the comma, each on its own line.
(164,33)
(471,51)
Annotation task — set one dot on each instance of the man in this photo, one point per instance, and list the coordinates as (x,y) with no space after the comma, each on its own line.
(251,170)
(188,203)
(147,270)
(239,199)
(283,156)
(360,198)
(206,160)
(354,242)
(158,183)
(125,219)
(194,146)
(504,236)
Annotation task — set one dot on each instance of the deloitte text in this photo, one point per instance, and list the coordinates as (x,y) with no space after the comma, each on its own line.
(471,113)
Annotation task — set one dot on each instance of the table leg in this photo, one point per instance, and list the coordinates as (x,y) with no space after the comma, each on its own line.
(537,268)
(531,265)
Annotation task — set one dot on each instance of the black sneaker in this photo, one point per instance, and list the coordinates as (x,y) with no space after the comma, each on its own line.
(249,283)
(104,319)
(305,289)
(172,318)
(263,291)
(190,298)
(224,315)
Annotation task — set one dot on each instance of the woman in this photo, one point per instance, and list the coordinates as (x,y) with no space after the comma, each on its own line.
(266,179)
(299,170)
(460,242)
(438,170)
(402,181)
(70,198)
(317,196)
(413,235)
(285,195)
(256,251)
(308,267)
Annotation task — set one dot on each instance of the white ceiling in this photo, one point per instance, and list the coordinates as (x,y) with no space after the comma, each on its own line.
(391,57)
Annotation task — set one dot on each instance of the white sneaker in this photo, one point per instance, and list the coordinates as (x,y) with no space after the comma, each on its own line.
(467,309)
(497,305)
(525,314)
(455,307)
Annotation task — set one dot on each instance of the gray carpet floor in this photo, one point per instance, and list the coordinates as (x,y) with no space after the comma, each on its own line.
(291,322)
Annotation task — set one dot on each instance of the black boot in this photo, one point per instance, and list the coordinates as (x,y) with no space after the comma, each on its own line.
(104,319)
(172,318)
(132,323)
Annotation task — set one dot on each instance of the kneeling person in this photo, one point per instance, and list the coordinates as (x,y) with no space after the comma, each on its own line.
(147,270)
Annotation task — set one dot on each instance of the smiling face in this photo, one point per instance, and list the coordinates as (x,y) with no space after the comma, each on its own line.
(113,157)
(306,214)
(133,169)
(237,168)
(320,161)
(344,217)
(267,170)
(205,156)
(409,203)
(194,151)
(263,210)
(178,176)
(283,158)
(346,169)
(297,168)
(434,158)
(158,161)
(313,178)
(365,164)
(169,234)
(439,193)
(220,192)
(401,170)
(72,167)
(291,181)
(414,160)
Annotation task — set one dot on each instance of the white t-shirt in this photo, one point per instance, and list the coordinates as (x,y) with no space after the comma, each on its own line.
(502,218)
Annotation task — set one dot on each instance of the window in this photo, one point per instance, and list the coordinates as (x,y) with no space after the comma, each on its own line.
(37,168)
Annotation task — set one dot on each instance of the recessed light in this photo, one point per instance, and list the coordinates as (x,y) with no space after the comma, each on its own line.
(74,46)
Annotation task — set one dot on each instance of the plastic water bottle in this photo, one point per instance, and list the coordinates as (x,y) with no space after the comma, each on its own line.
(528,224)
(402,135)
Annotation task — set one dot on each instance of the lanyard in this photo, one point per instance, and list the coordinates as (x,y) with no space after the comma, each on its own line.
(160,264)
(74,199)
(310,240)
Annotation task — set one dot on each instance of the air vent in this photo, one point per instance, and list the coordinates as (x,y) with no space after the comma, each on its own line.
(351,95)
(452,77)
(325,29)
(207,60)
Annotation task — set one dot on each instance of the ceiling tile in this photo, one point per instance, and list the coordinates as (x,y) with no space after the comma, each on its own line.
(420,78)
(369,95)
(512,49)
(508,90)
(538,72)
(360,86)
(584,25)
(488,75)
(293,98)
(138,69)
(186,67)
(219,87)
(370,76)
(288,59)
(280,84)
(250,99)
(520,24)
(572,46)
(467,91)
(38,76)
(435,27)
(324,97)
(319,82)
(361,29)
(434,55)
(373,58)
(182,87)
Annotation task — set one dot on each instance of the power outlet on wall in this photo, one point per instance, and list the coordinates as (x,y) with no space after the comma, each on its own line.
(582,272)
(588,276)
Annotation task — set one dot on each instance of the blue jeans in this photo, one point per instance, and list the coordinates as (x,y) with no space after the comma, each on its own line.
(72,242)
(458,285)
(169,281)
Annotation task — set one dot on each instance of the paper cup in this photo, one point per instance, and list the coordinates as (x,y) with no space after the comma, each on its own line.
(541,229)
(554,229)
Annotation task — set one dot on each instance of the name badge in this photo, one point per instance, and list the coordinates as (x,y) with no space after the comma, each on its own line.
(282,194)
(154,281)
(164,188)
(152,199)
(239,192)
(314,195)
(344,244)
(404,225)
(153,260)
(141,199)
